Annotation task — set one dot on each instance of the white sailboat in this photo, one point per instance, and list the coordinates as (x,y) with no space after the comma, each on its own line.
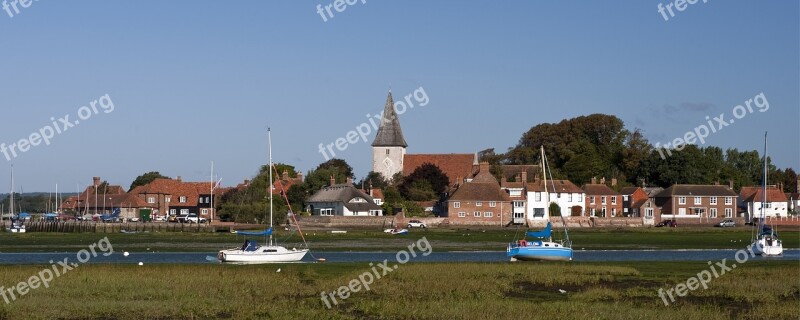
(250,251)
(17,226)
(765,240)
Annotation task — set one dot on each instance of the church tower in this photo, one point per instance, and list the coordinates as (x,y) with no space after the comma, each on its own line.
(389,147)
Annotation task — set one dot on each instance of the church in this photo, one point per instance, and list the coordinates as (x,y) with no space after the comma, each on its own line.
(389,156)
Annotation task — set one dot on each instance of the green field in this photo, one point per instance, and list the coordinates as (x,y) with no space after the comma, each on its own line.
(372,240)
(756,290)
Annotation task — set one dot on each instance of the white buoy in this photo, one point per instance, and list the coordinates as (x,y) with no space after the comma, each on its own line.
(141,263)
(126,253)
(279,270)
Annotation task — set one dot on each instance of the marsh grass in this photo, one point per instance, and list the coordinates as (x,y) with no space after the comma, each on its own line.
(413,291)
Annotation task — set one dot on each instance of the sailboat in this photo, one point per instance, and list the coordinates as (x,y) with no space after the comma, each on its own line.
(543,248)
(765,239)
(17,226)
(250,251)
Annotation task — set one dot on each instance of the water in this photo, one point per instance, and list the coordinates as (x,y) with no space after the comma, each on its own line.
(481,256)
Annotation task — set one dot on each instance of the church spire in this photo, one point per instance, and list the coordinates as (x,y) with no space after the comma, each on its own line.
(390,134)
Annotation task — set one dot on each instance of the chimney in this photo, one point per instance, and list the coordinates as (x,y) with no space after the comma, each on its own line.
(484,167)
(524,176)
(603,180)
(179,179)
(503,181)
(285,175)
(798,184)
(594,180)
(300,176)
(333,181)
(350,180)
(613,182)
(730,184)
(246,182)
(96,181)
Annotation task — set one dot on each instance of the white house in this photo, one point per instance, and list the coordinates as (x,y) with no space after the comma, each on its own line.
(567,195)
(776,202)
(342,200)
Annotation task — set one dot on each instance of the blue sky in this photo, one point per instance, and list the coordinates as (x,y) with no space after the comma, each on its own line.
(196,81)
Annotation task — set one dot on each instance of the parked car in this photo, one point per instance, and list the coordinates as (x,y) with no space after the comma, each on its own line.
(173,219)
(726,223)
(134,219)
(192,218)
(667,223)
(160,218)
(181,218)
(416,224)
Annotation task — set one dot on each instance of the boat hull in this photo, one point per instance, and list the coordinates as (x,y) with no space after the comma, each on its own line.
(262,255)
(539,253)
(763,247)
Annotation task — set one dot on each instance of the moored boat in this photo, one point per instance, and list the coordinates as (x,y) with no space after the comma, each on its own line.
(766,241)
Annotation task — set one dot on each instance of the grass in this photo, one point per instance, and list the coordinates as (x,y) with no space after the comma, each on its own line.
(756,290)
(372,240)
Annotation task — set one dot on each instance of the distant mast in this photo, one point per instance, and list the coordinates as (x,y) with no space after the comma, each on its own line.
(12,191)
(271,185)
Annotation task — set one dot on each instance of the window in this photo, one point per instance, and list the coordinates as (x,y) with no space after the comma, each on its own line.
(326,212)
(182,199)
(172,212)
(456,205)
(768,205)
(648,212)
(476,214)
(538,196)
(713,200)
(569,197)
(728,200)
(204,211)
(594,212)
(624,198)
(201,200)
(538,212)
(462,214)
(488,214)
(519,204)
(492,204)
(184,211)
(682,211)
(478,203)
(591,200)
(613,199)
(728,213)
(387,152)
(604,212)
(613,212)
(151,200)
(698,200)
(167,199)
(681,200)
(603,200)
(580,198)
(713,212)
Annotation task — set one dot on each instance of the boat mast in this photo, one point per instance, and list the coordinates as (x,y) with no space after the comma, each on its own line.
(271,185)
(764,195)
(12,191)
(546,193)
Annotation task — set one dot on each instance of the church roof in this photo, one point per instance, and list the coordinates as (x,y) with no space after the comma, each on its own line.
(389,133)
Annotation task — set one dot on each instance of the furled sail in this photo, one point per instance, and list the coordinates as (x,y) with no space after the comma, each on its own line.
(259,233)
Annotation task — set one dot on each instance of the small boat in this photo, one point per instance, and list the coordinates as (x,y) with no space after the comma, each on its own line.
(17,222)
(250,251)
(766,241)
(543,248)
(396,231)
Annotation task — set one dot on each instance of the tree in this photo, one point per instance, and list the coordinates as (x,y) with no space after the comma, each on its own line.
(340,165)
(146,178)
(374,179)
(435,183)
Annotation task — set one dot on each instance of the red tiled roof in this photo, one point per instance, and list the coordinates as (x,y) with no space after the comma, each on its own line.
(453,165)
(176,188)
(773,195)
(483,187)
(696,190)
(628,190)
(599,189)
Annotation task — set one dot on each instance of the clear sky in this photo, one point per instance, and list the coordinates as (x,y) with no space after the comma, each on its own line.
(198,81)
